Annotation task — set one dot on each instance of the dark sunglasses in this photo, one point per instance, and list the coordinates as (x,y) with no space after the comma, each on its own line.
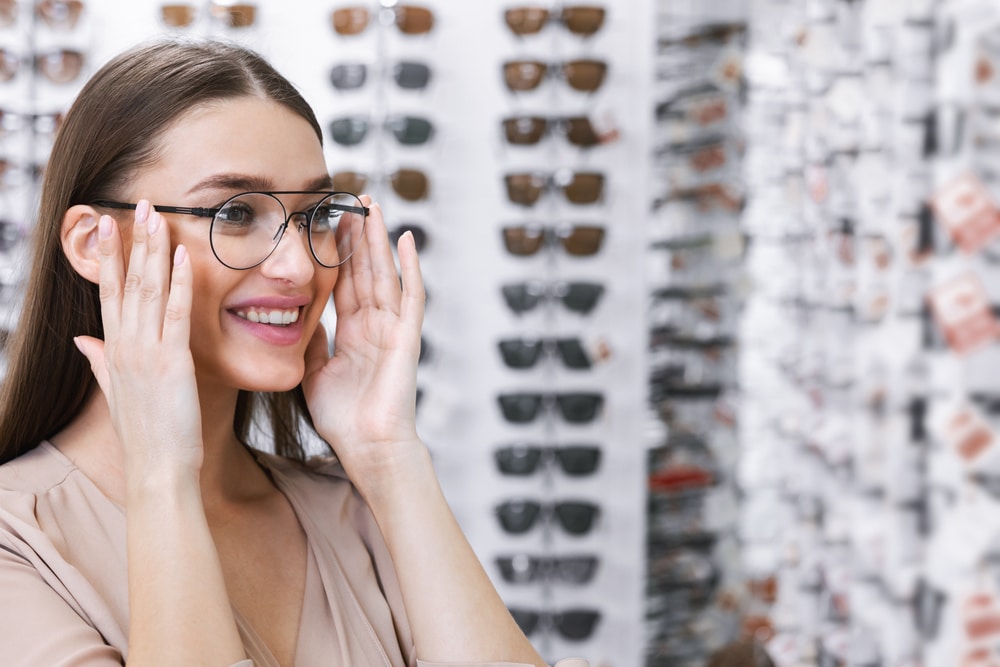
(409,184)
(410,19)
(419,234)
(523,353)
(579,20)
(575,407)
(575,460)
(572,624)
(408,74)
(526,569)
(408,130)
(578,297)
(182,15)
(579,187)
(529,130)
(585,75)
(576,517)
(577,240)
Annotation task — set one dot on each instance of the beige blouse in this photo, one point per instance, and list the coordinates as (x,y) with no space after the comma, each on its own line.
(64,592)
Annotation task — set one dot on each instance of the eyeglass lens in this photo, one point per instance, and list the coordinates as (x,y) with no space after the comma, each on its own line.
(248,227)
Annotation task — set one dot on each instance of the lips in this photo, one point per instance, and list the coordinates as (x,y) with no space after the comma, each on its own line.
(281,317)
(277,320)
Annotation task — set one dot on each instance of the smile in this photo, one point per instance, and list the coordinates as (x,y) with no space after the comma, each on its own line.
(281,317)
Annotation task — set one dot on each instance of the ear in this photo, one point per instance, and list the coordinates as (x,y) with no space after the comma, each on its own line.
(78,236)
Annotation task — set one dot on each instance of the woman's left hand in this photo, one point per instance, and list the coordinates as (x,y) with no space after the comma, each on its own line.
(363,398)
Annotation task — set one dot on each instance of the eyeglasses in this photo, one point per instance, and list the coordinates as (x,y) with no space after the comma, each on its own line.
(16,174)
(408,75)
(408,130)
(579,187)
(59,14)
(576,517)
(41,123)
(575,407)
(578,297)
(576,240)
(410,19)
(247,227)
(522,460)
(526,569)
(529,130)
(522,353)
(409,184)
(58,66)
(182,15)
(572,624)
(584,75)
(579,20)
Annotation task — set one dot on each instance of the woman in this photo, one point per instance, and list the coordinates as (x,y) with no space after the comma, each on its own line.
(159,332)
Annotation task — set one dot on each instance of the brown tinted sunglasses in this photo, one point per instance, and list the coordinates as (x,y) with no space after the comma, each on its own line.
(529,130)
(580,187)
(410,19)
(577,240)
(57,66)
(579,20)
(232,16)
(408,184)
(585,75)
(59,14)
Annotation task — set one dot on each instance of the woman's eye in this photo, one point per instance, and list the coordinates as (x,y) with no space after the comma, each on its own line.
(238,214)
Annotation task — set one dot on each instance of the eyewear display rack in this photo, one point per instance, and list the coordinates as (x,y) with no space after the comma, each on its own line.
(693,582)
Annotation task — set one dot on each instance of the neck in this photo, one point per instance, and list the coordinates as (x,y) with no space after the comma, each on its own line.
(228,474)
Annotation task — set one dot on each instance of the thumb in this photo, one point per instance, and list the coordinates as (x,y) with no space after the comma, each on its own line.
(93,349)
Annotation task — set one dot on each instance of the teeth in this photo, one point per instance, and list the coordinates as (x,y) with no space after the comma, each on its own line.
(274,317)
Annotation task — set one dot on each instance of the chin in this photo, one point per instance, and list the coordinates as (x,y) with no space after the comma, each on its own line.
(274,380)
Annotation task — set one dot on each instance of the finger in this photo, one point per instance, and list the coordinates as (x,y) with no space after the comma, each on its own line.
(135,273)
(345,298)
(414,297)
(93,349)
(385,277)
(318,351)
(362,277)
(156,283)
(177,314)
(111,277)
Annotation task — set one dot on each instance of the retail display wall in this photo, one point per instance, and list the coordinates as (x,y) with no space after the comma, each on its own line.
(532,385)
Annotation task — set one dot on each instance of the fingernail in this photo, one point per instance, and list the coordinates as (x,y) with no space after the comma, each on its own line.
(142,211)
(179,255)
(104,227)
(154,222)
(76,341)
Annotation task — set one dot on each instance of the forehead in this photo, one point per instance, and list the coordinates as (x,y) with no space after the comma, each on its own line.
(246,135)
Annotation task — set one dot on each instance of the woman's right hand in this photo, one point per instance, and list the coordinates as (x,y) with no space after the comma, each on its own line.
(144,364)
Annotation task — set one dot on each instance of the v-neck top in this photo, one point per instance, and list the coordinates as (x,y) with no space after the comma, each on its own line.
(64,587)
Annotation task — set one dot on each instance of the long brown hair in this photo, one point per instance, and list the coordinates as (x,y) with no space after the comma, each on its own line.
(111,132)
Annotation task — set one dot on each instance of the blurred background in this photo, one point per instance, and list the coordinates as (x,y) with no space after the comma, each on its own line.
(710,372)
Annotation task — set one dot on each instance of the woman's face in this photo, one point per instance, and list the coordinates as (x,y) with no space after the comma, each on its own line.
(210,154)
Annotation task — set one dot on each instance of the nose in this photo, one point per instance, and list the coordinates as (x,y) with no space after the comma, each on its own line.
(291,260)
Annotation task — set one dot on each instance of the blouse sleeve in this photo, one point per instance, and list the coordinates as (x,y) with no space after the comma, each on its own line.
(38,627)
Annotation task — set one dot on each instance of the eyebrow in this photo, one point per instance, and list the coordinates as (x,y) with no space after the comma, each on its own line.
(247,183)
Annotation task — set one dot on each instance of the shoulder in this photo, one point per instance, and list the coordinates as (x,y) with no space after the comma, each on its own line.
(36,471)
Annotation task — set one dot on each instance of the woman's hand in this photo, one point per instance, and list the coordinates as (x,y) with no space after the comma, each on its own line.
(363,399)
(144,364)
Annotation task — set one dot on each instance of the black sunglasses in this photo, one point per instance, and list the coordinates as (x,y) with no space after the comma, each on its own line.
(524,353)
(524,568)
(575,407)
(572,624)
(576,517)
(578,297)
(408,75)
(408,130)
(524,459)
(419,234)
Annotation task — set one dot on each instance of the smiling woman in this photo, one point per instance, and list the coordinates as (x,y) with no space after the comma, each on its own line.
(188,241)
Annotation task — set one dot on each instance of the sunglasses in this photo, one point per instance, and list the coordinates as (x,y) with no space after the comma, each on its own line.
(58,14)
(523,353)
(524,460)
(182,15)
(579,20)
(408,75)
(11,235)
(526,569)
(576,240)
(419,234)
(578,187)
(16,174)
(529,130)
(408,130)
(572,624)
(46,124)
(715,34)
(575,407)
(58,66)
(585,75)
(410,19)
(576,517)
(410,184)
(577,297)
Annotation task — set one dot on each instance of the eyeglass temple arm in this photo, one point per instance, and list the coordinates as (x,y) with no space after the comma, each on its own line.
(183,210)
